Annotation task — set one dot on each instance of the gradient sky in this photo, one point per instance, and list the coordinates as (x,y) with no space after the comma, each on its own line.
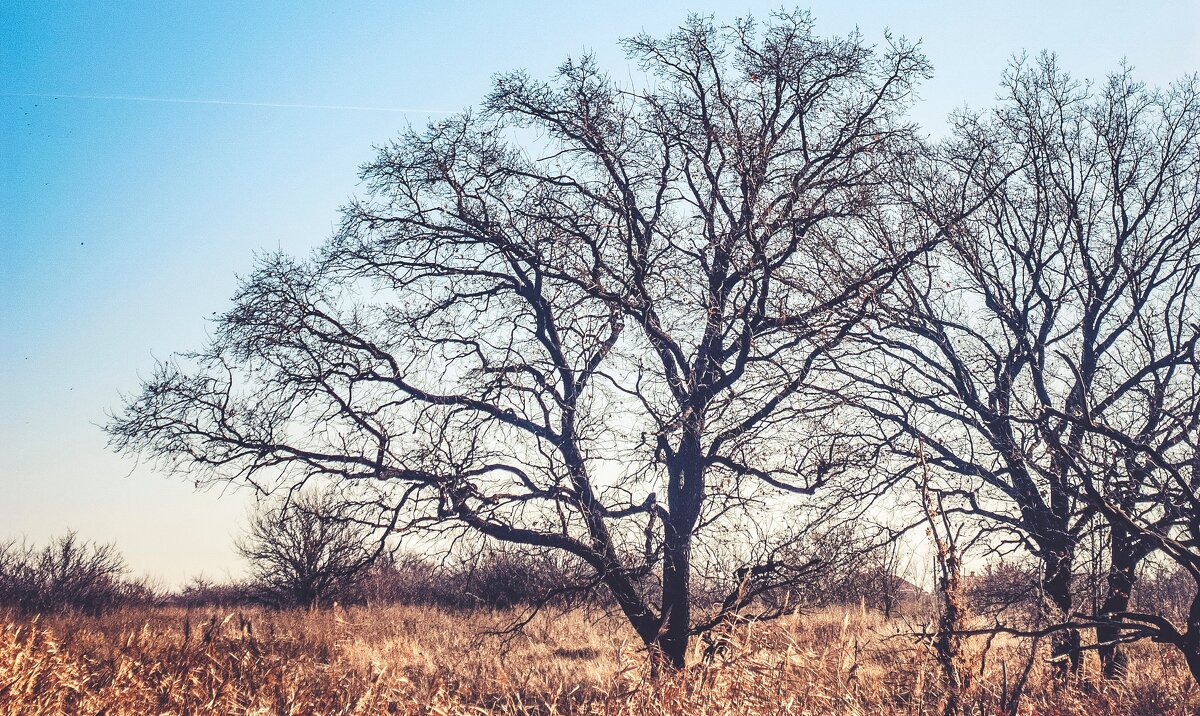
(124,222)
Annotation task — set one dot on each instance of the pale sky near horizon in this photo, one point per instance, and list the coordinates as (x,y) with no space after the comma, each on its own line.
(149,150)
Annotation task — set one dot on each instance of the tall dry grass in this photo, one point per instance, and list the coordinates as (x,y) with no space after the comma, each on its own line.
(416,660)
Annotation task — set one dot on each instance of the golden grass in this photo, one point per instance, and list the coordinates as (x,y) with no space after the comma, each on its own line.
(419,660)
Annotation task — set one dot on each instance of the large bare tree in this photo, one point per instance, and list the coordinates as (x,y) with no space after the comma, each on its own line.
(588,317)
(1071,292)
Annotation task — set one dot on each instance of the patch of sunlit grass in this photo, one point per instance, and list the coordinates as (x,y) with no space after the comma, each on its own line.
(422,660)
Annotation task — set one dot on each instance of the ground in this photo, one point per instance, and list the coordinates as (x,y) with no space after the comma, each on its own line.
(422,660)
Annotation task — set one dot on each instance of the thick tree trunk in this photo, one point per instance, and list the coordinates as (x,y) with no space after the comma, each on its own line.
(1191,654)
(1124,558)
(676,600)
(1189,641)
(685,495)
(1056,585)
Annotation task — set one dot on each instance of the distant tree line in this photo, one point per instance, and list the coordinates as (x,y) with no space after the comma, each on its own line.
(69,574)
(66,574)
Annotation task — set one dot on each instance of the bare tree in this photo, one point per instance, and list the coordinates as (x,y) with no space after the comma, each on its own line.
(304,551)
(587,318)
(1070,294)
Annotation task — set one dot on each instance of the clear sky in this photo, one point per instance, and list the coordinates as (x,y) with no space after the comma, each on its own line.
(124,221)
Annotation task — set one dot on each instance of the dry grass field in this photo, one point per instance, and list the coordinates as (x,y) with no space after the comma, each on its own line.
(417,660)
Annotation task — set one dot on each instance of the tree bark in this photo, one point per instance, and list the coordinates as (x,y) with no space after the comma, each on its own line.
(1124,558)
(676,604)
(1056,585)
(1189,641)
(685,495)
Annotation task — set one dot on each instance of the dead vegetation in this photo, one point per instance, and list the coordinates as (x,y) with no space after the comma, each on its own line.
(421,660)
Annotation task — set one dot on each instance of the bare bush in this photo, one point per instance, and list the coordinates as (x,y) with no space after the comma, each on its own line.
(203,592)
(305,551)
(495,578)
(845,566)
(1004,587)
(1165,589)
(406,579)
(65,574)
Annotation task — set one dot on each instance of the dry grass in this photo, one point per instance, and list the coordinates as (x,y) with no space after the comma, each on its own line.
(414,660)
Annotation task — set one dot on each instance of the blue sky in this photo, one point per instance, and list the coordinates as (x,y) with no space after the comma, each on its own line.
(123,222)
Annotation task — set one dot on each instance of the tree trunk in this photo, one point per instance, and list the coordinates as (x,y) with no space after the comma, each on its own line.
(1189,641)
(1056,584)
(676,601)
(685,495)
(1121,576)
(950,623)
(1191,654)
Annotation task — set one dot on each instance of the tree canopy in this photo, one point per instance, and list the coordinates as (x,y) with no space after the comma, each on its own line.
(588,316)
(693,326)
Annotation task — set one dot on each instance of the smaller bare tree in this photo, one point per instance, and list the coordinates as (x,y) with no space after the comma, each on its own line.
(947,641)
(305,550)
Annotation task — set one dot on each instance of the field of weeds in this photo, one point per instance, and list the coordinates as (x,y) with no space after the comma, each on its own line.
(418,660)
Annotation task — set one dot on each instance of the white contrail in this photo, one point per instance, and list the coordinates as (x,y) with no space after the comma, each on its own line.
(176,100)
